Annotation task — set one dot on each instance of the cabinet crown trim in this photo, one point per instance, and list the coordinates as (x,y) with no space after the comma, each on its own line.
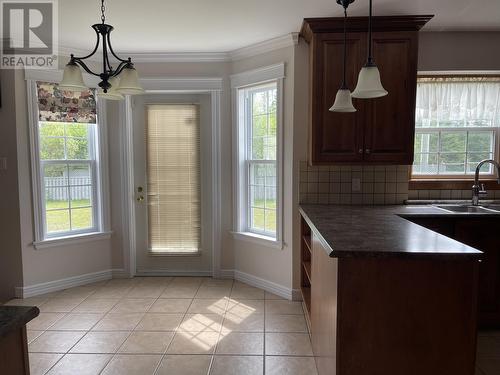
(360,24)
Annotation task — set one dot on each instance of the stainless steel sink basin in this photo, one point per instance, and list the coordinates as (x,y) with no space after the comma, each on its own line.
(469,209)
(494,207)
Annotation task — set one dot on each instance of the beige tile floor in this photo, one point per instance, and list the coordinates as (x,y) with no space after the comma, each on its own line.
(164,325)
(180,326)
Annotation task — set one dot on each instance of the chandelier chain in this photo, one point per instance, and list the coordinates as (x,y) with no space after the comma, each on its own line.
(103,9)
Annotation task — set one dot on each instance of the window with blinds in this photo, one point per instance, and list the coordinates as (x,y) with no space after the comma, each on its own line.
(173,178)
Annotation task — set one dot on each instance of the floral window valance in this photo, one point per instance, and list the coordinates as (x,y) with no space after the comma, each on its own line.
(55,105)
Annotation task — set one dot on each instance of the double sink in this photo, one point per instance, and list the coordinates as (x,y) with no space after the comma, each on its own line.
(470,209)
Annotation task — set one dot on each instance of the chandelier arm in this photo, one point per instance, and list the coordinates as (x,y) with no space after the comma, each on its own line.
(113,52)
(98,42)
(123,65)
(79,61)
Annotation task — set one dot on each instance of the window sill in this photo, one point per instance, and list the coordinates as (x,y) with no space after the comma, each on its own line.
(71,240)
(451,184)
(258,239)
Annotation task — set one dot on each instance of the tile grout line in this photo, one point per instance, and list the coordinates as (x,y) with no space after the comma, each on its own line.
(177,328)
(133,329)
(220,329)
(64,354)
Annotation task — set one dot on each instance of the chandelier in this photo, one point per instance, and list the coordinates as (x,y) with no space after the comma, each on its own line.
(123,80)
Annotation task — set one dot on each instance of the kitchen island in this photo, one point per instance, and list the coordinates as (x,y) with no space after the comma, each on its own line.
(385,295)
(13,341)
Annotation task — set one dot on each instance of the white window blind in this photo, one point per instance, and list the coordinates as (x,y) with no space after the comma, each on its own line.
(173,178)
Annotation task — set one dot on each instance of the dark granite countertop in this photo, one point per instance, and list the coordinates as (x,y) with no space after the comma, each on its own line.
(14,317)
(383,231)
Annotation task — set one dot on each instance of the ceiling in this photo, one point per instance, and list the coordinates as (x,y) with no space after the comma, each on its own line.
(226,25)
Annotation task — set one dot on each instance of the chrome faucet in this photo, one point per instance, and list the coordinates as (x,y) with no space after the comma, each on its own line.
(478,190)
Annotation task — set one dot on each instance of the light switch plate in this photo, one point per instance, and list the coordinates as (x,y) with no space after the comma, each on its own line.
(356,184)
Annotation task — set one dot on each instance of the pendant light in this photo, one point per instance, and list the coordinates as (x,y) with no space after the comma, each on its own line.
(115,82)
(369,85)
(343,100)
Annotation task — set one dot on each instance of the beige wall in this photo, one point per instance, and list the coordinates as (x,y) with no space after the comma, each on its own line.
(49,264)
(10,227)
(274,265)
(459,51)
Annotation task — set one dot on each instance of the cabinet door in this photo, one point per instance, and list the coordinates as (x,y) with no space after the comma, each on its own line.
(390,129)
(336,137)
(324,309)
(482,234)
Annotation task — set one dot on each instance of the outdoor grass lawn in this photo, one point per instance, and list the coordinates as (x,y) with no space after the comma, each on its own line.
(258,216)
(58,221)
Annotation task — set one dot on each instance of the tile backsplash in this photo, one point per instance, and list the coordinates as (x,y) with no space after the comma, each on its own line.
(367,185)
(352,185)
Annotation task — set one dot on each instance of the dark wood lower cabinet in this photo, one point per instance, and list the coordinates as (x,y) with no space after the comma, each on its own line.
(14,353)
(480,233)
(393,316)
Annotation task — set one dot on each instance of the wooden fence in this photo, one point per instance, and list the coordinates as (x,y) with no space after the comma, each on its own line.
(57,189)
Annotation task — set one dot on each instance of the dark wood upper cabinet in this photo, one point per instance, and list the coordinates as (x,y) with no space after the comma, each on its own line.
(382,129)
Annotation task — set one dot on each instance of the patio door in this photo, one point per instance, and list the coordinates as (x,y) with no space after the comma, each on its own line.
(172,177)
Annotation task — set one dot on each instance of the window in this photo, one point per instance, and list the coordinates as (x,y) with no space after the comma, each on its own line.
(66,162)
(457,126)
(173,177)
(261,131)
(259,158)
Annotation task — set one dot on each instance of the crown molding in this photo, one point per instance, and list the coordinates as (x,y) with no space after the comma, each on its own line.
(180,84)
(284,41)
(260,75)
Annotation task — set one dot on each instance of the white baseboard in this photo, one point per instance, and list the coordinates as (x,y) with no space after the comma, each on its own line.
(268,286)
(142,272)
(56,285)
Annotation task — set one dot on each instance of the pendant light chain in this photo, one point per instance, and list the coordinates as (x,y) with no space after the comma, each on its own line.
(370,58)
(103,9)
(344,85)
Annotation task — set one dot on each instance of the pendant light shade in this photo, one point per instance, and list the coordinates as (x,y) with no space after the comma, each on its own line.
(129,82)
(369,85)
(72,79)
(343,102)
(343,99)
(112,93)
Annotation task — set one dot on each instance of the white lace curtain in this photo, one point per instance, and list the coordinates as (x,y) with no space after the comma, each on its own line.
(458,102)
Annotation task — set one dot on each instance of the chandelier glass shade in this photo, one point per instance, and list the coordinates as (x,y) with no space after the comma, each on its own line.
(115,82)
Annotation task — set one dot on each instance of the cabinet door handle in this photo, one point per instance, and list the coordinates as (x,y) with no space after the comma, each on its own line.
(360,151)
(367,151)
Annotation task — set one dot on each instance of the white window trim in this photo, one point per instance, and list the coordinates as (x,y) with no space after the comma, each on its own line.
(496,147)
(102,167)
(274,73)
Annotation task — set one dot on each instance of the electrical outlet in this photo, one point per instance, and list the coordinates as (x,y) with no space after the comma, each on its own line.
(356,184)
